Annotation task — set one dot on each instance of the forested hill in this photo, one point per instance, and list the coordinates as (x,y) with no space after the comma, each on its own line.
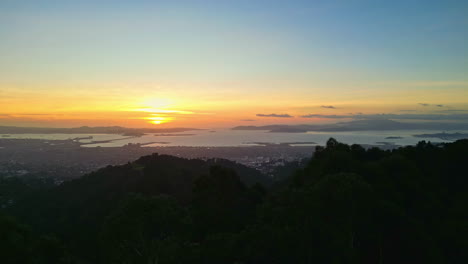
(348,205)
(77,209)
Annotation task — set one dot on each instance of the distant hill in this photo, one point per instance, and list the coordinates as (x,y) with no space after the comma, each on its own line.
(444,136)
(358,125)
(89,130)
(87,201)
(149,175)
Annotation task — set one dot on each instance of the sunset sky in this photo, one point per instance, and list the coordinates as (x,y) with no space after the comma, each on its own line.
(225,63)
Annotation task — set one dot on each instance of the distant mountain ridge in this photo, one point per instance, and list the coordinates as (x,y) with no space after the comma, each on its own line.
(89,130)
(358,125)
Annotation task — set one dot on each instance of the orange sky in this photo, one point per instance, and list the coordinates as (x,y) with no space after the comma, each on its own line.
(201,110)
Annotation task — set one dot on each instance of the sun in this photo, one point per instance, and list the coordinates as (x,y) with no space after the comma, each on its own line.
(158,111)
(157,119)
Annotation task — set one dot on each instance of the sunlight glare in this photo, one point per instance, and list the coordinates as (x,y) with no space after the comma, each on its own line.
(158,120)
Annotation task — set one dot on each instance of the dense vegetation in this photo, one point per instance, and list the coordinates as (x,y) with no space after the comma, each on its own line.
(347,205)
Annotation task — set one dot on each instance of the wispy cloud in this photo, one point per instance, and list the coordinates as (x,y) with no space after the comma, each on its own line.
(275,115)
(454,110)
(25,115)
(160,111)
(426,104)
(328,106)
(425,117)
(327,116)
(247,120)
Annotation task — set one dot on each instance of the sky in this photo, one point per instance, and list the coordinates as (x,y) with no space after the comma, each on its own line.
(210,64)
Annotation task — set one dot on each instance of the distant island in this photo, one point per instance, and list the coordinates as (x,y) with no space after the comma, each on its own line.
(444,136)
(357,125)
(91,130)
(393,137)
(385,143)
(173,135)
(133,134)
(280,144)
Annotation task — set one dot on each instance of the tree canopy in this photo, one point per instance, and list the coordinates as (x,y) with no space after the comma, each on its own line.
(348,204)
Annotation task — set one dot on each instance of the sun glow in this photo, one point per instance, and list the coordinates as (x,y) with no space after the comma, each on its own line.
(158,120)
(158,111)
(154,110)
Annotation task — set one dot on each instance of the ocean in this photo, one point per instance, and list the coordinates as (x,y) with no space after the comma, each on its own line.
(227,137)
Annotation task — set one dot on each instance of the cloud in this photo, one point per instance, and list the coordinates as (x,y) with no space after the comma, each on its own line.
(454,110)
(247,120)
(328,106)
(275,115)
(425,117)
(22,116)
(327,116)
(425,104)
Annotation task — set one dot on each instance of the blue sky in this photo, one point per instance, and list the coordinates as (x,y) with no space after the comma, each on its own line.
(425,38)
